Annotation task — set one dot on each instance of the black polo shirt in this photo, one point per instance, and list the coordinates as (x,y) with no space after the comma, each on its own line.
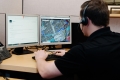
(98,58)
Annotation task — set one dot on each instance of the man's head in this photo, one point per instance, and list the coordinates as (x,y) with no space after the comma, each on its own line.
(94,15)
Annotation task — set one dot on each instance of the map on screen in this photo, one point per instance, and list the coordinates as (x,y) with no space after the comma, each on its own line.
(55,30)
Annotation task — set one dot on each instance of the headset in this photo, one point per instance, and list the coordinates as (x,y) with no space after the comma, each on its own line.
(84,19)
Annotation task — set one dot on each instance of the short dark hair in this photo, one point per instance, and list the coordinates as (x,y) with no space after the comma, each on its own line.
(97,11)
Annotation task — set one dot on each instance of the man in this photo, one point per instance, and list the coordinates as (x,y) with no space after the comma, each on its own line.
(98,58)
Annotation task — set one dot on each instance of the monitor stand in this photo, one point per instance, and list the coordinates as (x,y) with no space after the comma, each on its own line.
(52,47)
(20,51)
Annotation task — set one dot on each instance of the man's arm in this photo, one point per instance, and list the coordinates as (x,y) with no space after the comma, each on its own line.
(47,69)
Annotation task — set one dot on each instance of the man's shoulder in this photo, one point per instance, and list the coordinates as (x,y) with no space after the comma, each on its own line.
(116,33)
(115,36)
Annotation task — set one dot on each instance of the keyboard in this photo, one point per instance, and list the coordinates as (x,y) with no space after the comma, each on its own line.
(50,57)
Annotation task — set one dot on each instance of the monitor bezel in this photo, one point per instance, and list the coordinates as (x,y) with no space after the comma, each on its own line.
(56,43)
(22,45)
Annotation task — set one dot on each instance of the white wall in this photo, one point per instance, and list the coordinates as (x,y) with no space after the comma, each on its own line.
(53,7)
(11,6)
(115,24)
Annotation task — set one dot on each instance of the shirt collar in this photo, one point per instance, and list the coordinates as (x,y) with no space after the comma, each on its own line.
(99,33)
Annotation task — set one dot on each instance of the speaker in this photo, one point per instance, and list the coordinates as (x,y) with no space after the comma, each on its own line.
(77,36)
(84,19)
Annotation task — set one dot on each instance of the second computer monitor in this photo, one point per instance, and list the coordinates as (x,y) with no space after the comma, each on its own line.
(22,30)
(55,30)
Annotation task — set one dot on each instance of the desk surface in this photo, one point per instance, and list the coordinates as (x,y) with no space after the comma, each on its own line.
(1,78)
(22,63)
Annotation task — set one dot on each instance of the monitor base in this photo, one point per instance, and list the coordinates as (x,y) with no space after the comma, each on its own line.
(21,51)
(52,47)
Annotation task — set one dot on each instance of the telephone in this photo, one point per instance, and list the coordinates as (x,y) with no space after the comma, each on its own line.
(4,53)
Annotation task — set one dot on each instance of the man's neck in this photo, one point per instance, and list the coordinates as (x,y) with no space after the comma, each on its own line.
(93,28)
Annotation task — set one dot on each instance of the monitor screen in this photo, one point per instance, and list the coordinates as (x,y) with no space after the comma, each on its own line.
(55,30)
(22,30)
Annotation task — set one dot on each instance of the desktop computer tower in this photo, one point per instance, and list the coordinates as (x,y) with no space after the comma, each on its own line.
(77,36)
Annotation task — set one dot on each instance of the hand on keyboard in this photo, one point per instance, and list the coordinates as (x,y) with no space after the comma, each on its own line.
(51,54)
(58,52)
(50,57)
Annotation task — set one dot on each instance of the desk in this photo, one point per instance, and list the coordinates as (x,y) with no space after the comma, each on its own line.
(1,78)
(24,67)
(22,63)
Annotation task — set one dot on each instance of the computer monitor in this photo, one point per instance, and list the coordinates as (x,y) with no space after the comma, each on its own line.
(55,30)
(22,30)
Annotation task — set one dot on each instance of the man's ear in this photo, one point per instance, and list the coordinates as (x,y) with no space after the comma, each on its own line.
(89,21)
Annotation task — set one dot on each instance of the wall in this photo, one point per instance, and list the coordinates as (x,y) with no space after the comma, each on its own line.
(115,24)
(53,7)
(11,6)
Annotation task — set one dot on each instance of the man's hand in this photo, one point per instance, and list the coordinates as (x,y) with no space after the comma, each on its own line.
(46,69)
(41,54)
(60,52)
